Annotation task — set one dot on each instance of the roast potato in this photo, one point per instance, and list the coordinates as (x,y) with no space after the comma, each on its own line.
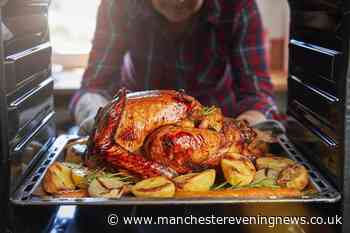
(265,173)
(75,151)
(156,187)
(265,178)
(71,165)
(294,176)
(107,187)
(272,174)
(260,175)
(196,181)
(273,162)
(257,148)
(238,172)
(58,178)
(234,155)
(79,177)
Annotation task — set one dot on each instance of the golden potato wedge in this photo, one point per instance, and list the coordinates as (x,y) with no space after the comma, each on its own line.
(79,177)
(273,162)
(238,172)
(295,176)
(71,165)
(58,178)
(266,173)
(260,175)
(107,187)
(156,187)
(273,174)
(265,178)
(75,151)
(234,155)
(258,147)
(196,181)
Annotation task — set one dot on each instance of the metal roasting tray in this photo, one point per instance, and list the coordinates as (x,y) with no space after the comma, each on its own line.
(23,196)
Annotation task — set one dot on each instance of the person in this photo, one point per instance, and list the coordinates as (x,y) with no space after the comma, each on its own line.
(214,50)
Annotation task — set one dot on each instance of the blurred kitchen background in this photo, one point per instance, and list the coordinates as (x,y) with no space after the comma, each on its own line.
(72,25)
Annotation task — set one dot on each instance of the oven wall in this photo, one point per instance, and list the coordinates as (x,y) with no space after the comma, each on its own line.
(346,122)
(318,90)
(316,96)
(29,85)
(27,126)
(3,154)
(4,150)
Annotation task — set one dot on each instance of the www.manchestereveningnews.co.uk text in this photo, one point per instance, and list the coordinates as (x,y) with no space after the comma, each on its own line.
(270,221)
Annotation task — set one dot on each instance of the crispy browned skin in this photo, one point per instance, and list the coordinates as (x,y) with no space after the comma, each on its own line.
(243,193)
(244,139)
(185,149)
(144,113)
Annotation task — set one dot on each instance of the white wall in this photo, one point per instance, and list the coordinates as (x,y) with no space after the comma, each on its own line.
(275,16)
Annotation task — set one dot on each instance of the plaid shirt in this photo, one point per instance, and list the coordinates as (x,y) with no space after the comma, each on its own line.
(220,59)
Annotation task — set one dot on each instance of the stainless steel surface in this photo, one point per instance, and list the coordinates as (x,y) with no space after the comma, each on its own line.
(23,195)
(330,98)
(28,151)
(28,110)
(4,148)
(317,129)
(23,65)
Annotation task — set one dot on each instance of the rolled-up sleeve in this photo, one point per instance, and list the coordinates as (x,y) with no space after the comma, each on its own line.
(249,63)
(109,46)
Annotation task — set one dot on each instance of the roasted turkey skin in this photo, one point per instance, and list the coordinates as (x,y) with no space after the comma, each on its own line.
(185,149)
(146,111)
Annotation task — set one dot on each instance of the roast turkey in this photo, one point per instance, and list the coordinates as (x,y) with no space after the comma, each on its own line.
(167,133)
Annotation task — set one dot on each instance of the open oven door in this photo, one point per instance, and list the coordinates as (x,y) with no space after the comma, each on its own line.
(318,89)
(27,126)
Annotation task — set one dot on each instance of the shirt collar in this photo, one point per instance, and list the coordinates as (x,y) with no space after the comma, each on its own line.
(210,12)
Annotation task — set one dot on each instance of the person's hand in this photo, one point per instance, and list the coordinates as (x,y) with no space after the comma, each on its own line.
(86,126)
(86,110)
(252,117)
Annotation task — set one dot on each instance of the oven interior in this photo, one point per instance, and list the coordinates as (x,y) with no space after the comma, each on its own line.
(317,99)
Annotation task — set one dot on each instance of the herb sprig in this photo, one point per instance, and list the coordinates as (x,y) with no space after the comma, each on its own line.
(264,183)
(208,110)
(101,173)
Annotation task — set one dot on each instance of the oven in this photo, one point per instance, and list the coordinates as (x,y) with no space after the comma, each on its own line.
(318,125)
